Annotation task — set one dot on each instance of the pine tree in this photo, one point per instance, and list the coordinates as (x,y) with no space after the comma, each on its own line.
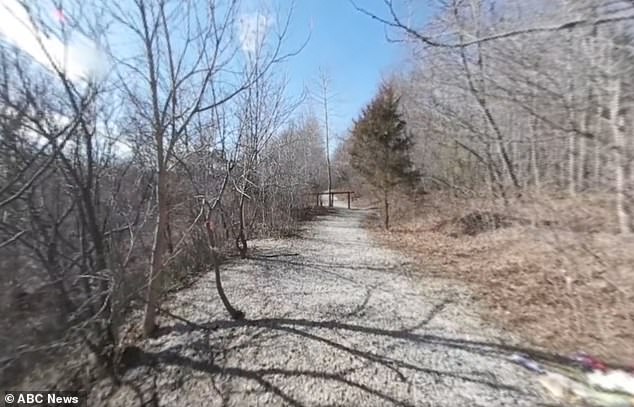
(381,147)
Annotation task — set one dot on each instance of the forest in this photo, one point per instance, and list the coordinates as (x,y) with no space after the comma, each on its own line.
(519,117)
(499,153)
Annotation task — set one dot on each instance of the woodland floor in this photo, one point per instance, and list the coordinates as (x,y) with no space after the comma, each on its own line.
(557,273)
(332,319)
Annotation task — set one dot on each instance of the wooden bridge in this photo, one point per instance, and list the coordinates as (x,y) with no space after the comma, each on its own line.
(331,197)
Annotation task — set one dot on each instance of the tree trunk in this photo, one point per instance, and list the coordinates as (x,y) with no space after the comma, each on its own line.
(581,167)
(597,162)
(158,248)
(241,240)
(330,200)
(168,236)
(480,97)
(534,166)
(571,165)
(324,85)
(582,172)
(619,163)
(215,259)
(386,206)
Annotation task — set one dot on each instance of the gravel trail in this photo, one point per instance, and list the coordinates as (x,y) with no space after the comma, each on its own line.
(333,320)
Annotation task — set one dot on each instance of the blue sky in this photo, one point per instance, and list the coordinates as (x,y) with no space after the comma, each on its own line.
(348,45)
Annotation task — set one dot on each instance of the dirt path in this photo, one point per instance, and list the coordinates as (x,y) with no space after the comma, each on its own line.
(333,320)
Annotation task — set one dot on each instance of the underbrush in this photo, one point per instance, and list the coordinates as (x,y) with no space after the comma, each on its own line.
(552,268)
(42,349)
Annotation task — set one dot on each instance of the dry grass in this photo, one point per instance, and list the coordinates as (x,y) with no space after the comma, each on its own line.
(554,271)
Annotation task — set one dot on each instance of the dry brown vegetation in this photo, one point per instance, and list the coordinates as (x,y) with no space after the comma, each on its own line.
(554,272)
(522,136)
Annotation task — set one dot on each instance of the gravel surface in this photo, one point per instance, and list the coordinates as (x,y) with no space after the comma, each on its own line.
(333,320)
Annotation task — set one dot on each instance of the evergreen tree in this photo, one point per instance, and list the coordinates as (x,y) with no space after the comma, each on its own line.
(381,146)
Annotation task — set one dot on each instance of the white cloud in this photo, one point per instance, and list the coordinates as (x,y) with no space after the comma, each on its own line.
(252,29)
(79,58)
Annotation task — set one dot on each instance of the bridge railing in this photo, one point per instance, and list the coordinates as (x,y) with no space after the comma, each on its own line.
(317,196)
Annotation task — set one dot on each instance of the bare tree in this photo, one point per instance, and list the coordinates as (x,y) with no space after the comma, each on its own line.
(324,96)
(176,75)
(263,109)
(391,18)
(132,159)
(536,109)
(61,137)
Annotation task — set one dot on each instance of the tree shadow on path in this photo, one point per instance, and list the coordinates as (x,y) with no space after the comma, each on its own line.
(311,331)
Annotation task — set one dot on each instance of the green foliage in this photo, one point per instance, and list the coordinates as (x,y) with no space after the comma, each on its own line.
(381,145)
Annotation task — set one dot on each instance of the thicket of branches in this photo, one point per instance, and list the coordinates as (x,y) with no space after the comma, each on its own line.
(521,116)
(116,185)
(509,97)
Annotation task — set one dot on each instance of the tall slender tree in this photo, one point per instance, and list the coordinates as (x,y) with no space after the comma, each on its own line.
(324,97)
(381,147)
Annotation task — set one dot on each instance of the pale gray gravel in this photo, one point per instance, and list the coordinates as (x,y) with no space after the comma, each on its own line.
(343,323)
